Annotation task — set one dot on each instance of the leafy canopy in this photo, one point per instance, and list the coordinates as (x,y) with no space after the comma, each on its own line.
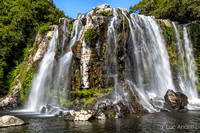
(19,22)
(182,11)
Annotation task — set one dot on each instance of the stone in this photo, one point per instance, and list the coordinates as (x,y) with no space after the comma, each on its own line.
(82,115)
(8,120)
(176,100)
(183,110)
(104,7)
(101,116)
(69,117)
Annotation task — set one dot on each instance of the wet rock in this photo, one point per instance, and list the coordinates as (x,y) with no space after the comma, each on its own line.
(69,117)
(82,115)
(183,110)
(110,110)
(101,116)
(43,110)
(8,120)
(157,102)
(160,104)
(176,100)
(123,109)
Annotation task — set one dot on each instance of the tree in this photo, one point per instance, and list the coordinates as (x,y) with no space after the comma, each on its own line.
(19,22)
(182,11)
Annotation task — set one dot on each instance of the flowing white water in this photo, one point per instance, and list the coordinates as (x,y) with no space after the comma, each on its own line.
(191,66)
(41,97)
(150,60)
(187,68)
(112,45)
(63,80)
(42,80)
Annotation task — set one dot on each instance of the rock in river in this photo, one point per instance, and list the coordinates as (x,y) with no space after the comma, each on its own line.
(9,120)
(176,100)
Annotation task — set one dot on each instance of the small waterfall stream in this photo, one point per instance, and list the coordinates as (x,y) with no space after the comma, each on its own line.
(187,67)
(112,50)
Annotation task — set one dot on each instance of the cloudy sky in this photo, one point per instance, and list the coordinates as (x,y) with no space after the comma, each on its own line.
(73,7)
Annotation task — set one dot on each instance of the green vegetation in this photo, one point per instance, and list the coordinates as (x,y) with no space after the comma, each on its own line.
(182,11)
(43,29)
(195,36)
(106,13)
(89,35)
(169,36)
(90,95)
(19,22)
(70,27)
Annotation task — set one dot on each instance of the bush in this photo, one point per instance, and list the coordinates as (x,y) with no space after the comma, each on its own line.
(89,35)
(106,13)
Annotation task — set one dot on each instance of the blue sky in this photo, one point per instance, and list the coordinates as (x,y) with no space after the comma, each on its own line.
(73,7)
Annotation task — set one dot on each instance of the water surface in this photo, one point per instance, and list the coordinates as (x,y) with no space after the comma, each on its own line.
(155,122)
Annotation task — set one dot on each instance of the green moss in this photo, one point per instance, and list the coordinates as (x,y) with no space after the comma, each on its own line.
(26,83)
(89,34)
(103,48)
(49,37)
(70,28)
(168,33)
(106,13)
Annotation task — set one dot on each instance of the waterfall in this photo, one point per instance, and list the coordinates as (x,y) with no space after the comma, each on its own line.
(112,48)
(187,67)
(147,68)
(151,73)
(42,80)
(46,87)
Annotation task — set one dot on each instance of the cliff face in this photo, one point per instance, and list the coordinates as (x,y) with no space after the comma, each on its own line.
(107,58)
(22,80)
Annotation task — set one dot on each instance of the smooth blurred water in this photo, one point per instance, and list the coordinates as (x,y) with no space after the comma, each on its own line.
(155,122)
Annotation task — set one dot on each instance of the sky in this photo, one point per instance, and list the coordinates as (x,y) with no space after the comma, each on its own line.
(73,7)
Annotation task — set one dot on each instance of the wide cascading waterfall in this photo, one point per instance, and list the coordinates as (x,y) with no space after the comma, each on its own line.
(151,74)
(42,80)
(187,67)
(134,69)
(46,87)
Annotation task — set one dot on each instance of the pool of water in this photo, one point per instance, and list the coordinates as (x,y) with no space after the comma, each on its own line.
(155,122)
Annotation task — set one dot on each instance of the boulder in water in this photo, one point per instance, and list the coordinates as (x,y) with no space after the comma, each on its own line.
(82,115)
(176,100)
(9,120)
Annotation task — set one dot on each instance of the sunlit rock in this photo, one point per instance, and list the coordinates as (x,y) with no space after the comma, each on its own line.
(176,100)
(82,115)
(8,120)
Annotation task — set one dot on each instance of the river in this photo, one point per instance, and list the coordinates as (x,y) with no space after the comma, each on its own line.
(154,122)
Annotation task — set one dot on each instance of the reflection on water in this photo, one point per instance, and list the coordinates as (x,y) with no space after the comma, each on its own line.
(156,122)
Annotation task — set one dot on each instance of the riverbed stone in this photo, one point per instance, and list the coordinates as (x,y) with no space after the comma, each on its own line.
(9,120)
(176,100)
